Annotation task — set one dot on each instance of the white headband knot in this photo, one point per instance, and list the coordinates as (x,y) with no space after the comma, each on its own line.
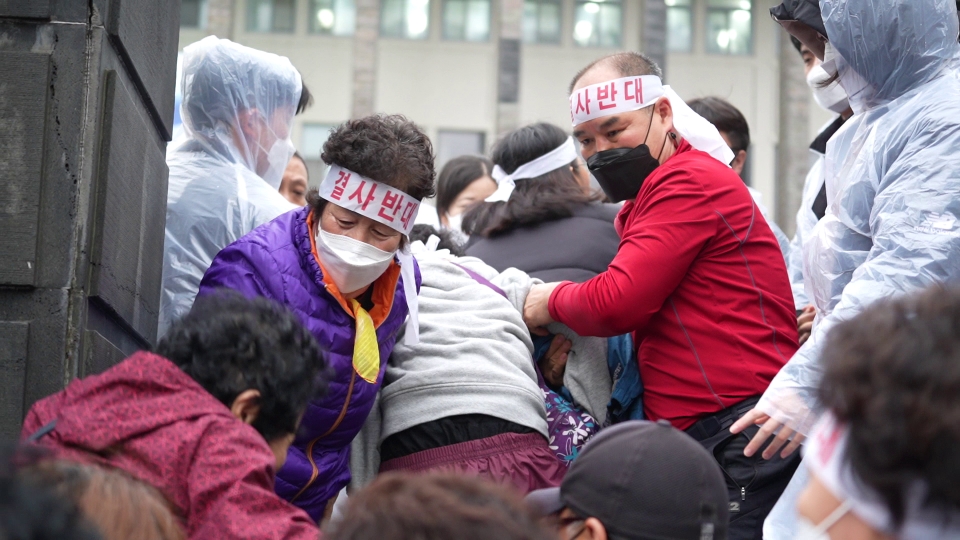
(552,160)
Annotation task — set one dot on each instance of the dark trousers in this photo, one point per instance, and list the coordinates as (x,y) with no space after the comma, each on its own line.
(754,484)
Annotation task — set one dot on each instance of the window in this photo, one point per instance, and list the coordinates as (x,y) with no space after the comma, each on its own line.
(271,15)
(193,13)
(312,139)
(729,27)
(333,17)
(679,26)
(451,144)
(597,23)
(466,20)
(541,21)
(407,19)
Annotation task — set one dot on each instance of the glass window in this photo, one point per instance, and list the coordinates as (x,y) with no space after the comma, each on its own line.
(405,18)
(466,20)
(679,26)
(271,15)
(451,144)
(333,17)
(597,23)
(541,21)
(312,139)
(193,13)
(729,27)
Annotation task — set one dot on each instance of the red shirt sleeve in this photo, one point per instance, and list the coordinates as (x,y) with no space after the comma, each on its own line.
(231,490)
(668,227)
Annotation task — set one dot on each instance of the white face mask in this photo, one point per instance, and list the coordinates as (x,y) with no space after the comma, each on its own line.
(278,157)
(455,223)
(857,88)
(809,531)
(830,97)
(351,264)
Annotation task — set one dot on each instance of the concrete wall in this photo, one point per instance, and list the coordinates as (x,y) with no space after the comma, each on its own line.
(86,104)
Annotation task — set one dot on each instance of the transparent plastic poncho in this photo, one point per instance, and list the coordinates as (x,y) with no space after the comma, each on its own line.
(892,173)
(226,165)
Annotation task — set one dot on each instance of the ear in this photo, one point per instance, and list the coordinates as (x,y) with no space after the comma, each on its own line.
(594,530)
(246,407)
(664,110)
(249,122)
(739,162)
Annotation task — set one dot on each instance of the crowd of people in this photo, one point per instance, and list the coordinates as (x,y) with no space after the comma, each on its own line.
(546,359)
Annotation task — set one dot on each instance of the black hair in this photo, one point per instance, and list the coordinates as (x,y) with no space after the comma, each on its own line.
(727,118)
(297,155)
(31,510)
(306,98)
(229,344)
(456,175)
(423,232)
(627,64)
(551,196)
(796,44)
(893,375)
(387,148)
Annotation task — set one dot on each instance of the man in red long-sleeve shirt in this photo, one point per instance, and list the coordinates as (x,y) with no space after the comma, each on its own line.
(698,280)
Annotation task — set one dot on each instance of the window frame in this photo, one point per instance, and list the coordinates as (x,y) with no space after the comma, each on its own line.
(710,44)
(252,19)
(538,38)
(313,25)
(404,24)
(577,4)
(692,26)
(443,21)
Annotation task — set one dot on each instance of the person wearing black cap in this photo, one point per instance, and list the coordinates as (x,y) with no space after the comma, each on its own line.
(639,481)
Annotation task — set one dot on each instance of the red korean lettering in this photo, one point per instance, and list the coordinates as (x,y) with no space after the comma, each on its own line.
(637,85)
(408,214)
(339,185)
(607,92)
(583,101)
(358,194)
(392,202)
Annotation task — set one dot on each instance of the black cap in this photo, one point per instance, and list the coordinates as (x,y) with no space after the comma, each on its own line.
(802,19)
(644,480)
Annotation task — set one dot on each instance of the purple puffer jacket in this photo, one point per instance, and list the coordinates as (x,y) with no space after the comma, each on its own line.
(275,261)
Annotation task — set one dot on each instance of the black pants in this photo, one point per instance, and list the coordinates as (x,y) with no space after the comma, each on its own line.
(754,484)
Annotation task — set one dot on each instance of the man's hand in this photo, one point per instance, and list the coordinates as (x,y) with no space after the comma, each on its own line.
(536,312)
(554,363)
(805,323)
(768,427)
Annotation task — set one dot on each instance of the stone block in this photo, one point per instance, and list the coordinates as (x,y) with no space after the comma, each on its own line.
(128,237)
(23,91)
(148,33)
(34,9)
(100,355)
(13,369)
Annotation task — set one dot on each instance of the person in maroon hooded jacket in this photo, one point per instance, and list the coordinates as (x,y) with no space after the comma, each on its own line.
(207,420)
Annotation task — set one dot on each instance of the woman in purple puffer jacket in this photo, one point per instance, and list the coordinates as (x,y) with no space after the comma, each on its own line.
(343,265)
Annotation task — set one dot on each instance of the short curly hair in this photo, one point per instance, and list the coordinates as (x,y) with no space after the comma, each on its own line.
(229,344)
(387,148)
(893,375)
(437,506)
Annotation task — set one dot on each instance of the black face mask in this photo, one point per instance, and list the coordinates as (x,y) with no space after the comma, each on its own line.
(621,171)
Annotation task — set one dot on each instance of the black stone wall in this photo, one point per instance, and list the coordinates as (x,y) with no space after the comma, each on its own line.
(86,107)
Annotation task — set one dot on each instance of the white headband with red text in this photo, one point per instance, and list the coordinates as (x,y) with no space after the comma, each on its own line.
(614,97)
(369,198)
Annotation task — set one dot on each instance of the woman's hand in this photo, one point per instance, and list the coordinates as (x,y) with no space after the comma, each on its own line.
(768,426)
(536,310)
(554,363)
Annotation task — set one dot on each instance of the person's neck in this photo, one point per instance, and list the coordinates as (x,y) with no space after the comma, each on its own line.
(847,113)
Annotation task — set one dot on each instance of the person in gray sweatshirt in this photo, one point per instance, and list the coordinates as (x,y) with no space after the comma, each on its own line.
(466,397)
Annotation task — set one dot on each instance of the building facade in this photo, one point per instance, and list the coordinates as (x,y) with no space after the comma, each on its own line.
(467,70)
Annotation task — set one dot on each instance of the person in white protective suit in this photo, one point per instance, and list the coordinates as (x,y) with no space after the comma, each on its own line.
(226,167)
(893,180)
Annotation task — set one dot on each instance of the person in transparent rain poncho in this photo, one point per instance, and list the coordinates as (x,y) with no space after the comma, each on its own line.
(893,180)
(226,166)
